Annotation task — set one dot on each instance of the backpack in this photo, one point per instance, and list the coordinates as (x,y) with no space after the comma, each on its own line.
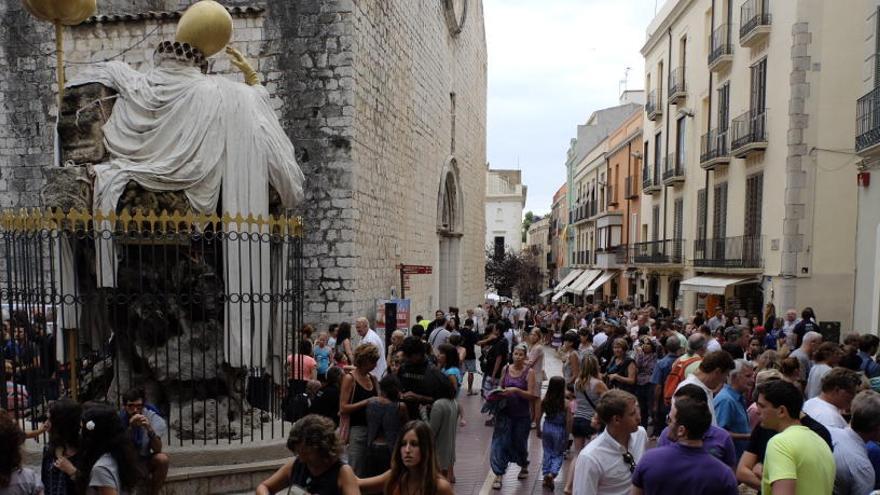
(676,375)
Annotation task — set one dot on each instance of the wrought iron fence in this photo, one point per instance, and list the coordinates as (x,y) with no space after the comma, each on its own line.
(868,120)
(753,13)
(199,310)
(719,43)
(713,145)
(677,82)
(749,127)
(729,252)
(657,252)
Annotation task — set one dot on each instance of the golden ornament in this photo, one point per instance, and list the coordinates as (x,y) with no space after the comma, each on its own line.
(66,12)
(205,25)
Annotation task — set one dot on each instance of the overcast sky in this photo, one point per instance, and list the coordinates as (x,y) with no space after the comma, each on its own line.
(551,64)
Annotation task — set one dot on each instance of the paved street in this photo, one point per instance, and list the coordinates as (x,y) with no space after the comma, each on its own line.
(472,472)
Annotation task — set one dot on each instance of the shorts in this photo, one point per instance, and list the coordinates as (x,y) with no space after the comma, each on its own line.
(470,365)
(582,428)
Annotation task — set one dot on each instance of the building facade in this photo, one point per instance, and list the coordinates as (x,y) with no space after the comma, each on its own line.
(866,305)
(539,245)
(385,103)
(557,264)
(505,200)
(745,200)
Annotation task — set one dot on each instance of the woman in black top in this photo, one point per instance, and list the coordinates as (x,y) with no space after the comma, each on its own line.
(357,389)
(61,454)
(326,401)
(317,468)
(622,370)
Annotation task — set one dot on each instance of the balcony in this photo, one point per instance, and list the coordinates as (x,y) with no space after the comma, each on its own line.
(582,258)
(868,122)
(754,25)
(611,258)
(729,252)
(653,106)
(578,213)
(670,251)
(650,185)
(677,87)
(610,194)
(674,171)
(631,188)
(714,150)
(748,134)
(720,49)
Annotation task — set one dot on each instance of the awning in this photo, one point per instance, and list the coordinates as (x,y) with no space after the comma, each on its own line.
(599,282)
(558,295)
(713,285)
(567,280)
(582,282)
(546,293)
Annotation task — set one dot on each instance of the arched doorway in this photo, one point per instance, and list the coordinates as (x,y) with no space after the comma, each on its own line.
(449,233)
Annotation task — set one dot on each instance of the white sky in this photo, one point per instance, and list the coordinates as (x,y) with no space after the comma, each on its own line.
(551,64)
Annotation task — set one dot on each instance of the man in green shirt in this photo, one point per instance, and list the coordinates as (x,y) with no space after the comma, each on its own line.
(798,461)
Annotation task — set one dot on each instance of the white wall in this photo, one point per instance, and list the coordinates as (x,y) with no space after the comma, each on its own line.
(504,218)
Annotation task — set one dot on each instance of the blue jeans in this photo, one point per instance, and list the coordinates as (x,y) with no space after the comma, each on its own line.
(510,440)
(554,440)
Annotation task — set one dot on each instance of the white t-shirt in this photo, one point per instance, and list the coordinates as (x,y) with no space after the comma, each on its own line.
(713,345)
(825,413)
(373,338)
(692,379)
(599,339)
(600,468)
(814,381)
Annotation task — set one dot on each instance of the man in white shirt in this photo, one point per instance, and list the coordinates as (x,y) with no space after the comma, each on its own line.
(839,387)
(710,375)
(369,336)
(605,465)
(789,321)
(855,473)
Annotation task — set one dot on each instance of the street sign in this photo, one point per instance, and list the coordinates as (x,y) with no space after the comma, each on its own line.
(416,269)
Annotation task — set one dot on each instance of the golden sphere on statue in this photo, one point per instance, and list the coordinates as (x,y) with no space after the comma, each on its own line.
(67,12)
(205,25)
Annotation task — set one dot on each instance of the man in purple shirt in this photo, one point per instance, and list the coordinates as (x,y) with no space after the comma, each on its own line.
(684,466)
(716,441)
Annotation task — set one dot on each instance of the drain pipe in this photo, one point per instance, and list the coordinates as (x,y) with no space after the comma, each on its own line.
(708,130)
(668,117)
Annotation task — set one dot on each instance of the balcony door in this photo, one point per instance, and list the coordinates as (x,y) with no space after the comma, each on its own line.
(719,222)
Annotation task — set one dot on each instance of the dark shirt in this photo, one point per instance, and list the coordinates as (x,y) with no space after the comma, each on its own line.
(327,483)
(497,348)
(326,403)
(54,479)
(469,341)
(761,436)
(423,379)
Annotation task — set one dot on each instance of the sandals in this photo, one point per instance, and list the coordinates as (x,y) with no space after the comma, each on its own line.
(496,485)
(523,474)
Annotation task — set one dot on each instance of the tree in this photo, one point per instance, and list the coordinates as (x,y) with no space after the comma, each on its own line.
(529,219)
(507,273)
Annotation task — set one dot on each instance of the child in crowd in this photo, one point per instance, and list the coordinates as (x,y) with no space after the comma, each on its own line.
(322,353)
(557,425)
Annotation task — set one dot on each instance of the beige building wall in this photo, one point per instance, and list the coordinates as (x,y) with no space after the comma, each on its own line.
(808,207)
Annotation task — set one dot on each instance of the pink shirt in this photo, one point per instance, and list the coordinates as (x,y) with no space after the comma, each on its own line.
(308,365)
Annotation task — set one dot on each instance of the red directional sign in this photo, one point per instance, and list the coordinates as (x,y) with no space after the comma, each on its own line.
(416,269)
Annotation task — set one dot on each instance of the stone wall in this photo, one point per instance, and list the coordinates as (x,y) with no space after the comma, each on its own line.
(363,89)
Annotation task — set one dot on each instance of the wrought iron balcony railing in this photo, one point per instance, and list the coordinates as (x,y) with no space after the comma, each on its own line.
(720,48)
(729,252)
(754,21)
(670,251)
(748,132)
(653,105)
(868,120)
(677,85)
(714,149)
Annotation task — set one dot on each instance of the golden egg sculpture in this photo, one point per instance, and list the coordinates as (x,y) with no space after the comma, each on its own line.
(66,12)
(205,25)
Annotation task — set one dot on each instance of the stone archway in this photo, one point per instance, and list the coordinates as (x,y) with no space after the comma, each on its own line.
(449,233)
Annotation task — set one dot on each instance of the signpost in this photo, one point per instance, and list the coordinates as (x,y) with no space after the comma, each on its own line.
(406,271)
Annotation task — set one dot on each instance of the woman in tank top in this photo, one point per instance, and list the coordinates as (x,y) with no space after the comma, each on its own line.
(570,357)
(358,388)
(414,468)
(536,362)
(588,388)
(317,468)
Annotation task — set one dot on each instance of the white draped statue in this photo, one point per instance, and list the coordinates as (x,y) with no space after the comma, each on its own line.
(174,128)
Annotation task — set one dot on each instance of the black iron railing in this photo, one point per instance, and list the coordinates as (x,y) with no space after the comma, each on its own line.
(729,252)
(631,187)
(868,120)
(657,252)
(753,13)
(677,82)
(647,178)
(200,311)
(719,43)
(610,195)
(653,104)
(713,145)
(748,128)
(674,167)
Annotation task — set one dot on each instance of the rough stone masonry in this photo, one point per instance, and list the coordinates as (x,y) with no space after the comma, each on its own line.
(384,100)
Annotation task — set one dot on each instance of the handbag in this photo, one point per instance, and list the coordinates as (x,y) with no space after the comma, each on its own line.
(344,427)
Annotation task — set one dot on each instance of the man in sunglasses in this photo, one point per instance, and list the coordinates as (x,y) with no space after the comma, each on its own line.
(605,465)
(684,466)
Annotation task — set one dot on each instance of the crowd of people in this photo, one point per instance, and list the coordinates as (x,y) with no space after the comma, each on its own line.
(646,401)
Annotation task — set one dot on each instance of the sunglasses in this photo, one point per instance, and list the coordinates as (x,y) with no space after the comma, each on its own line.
(630,461)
